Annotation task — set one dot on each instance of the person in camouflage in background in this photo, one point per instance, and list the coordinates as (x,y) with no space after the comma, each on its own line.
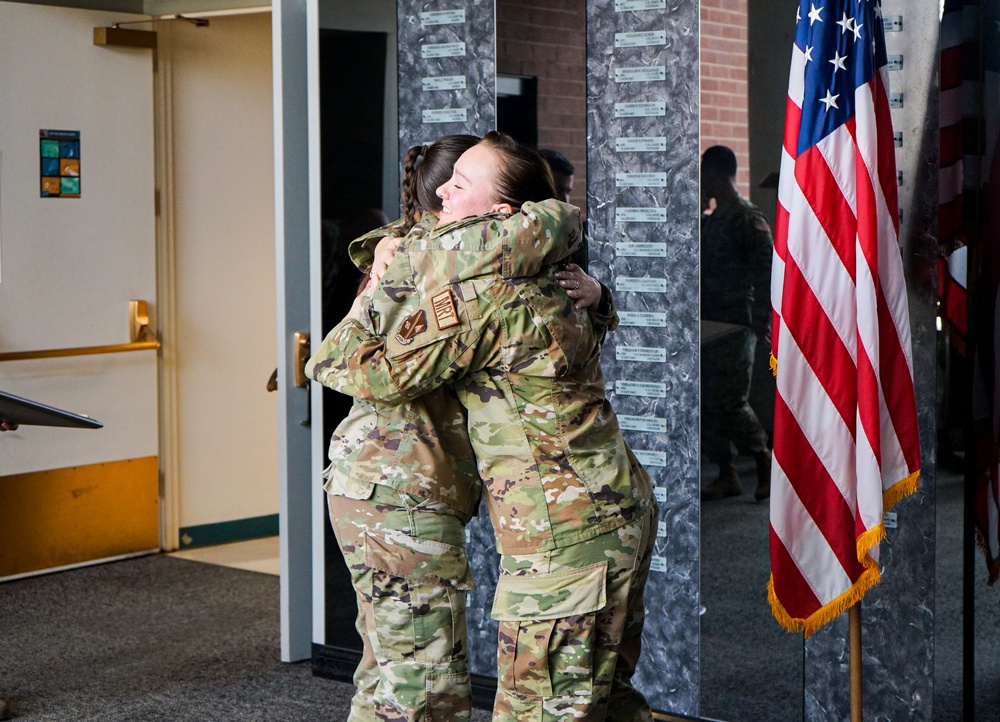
(571,508)
(402,484)
(736,249)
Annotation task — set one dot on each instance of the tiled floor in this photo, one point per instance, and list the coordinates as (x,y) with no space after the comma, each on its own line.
(255,555)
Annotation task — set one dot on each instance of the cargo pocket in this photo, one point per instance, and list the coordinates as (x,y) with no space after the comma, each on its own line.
(547,631)
(418,594)
(449,697)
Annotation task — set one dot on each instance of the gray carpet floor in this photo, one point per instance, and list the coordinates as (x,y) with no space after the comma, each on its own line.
(751,667)
(154,638)
(161,638)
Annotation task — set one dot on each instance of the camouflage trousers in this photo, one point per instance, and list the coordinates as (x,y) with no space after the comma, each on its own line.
(571,628)
(726,415)
(407,561)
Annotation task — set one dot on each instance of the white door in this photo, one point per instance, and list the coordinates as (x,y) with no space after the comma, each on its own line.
(300,496)
(218,288)
(69,265)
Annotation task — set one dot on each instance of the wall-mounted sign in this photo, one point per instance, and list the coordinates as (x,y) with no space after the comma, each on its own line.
(643,75)
(60,163)
(443,17)
(445,115)
(641,109)
(641,249)
(640,39)
(640,284)
(640,145)
(641,353)
(442,50)
(443,82)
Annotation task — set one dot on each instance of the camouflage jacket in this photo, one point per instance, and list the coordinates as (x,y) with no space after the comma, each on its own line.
(736,249)
(362,249)
(420,447)
(476,304)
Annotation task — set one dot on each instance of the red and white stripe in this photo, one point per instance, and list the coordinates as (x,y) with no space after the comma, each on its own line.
(845,429)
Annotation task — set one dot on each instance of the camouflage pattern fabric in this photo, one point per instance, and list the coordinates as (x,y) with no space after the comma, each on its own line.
(570,628)
(420,447)
(402,483)
(476,304)
(362,249)
(408,565)
(462,305)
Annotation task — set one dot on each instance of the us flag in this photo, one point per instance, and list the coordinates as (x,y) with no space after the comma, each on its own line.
(845,429)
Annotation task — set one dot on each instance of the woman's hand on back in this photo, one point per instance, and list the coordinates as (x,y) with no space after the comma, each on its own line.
(384,253)
(582,288)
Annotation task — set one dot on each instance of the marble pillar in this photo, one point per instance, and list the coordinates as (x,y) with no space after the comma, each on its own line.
(643,211)
(447,81)
(447,70)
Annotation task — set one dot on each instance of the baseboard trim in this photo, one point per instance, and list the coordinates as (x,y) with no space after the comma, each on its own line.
(226,532)
(79,565)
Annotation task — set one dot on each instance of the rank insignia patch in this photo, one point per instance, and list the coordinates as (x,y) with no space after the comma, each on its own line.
(417,323)
(444,310)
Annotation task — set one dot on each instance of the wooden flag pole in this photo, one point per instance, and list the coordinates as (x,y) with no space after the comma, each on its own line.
(854,635)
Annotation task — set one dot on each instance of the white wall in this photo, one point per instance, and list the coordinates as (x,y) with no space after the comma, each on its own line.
(68,267)
(223,249)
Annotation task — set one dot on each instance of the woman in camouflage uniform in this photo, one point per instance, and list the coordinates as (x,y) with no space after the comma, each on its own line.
(477,304)
(402,484)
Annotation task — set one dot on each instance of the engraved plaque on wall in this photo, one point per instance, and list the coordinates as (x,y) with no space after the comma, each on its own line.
(643,211)
(447,70)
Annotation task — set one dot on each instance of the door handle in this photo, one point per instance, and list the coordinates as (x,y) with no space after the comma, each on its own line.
(301,355)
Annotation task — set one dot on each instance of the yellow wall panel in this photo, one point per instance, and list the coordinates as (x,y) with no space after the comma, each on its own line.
(67,516)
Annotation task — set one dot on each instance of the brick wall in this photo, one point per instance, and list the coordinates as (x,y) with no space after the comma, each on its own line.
(549,42)
(724,114)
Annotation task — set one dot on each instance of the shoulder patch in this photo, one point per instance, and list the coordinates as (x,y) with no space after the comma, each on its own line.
(444,310)
(413,325)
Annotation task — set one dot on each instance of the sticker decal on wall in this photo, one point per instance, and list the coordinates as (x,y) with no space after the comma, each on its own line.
(60,163)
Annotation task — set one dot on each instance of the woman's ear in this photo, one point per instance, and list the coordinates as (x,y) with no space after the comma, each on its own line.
(502,208)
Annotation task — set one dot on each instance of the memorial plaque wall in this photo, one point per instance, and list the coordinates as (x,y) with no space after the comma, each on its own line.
(447,70)
(447,81)
(643,210)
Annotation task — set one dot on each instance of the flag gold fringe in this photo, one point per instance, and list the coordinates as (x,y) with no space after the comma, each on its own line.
(829,611)
(902,488)
(773,361)
(868,579)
